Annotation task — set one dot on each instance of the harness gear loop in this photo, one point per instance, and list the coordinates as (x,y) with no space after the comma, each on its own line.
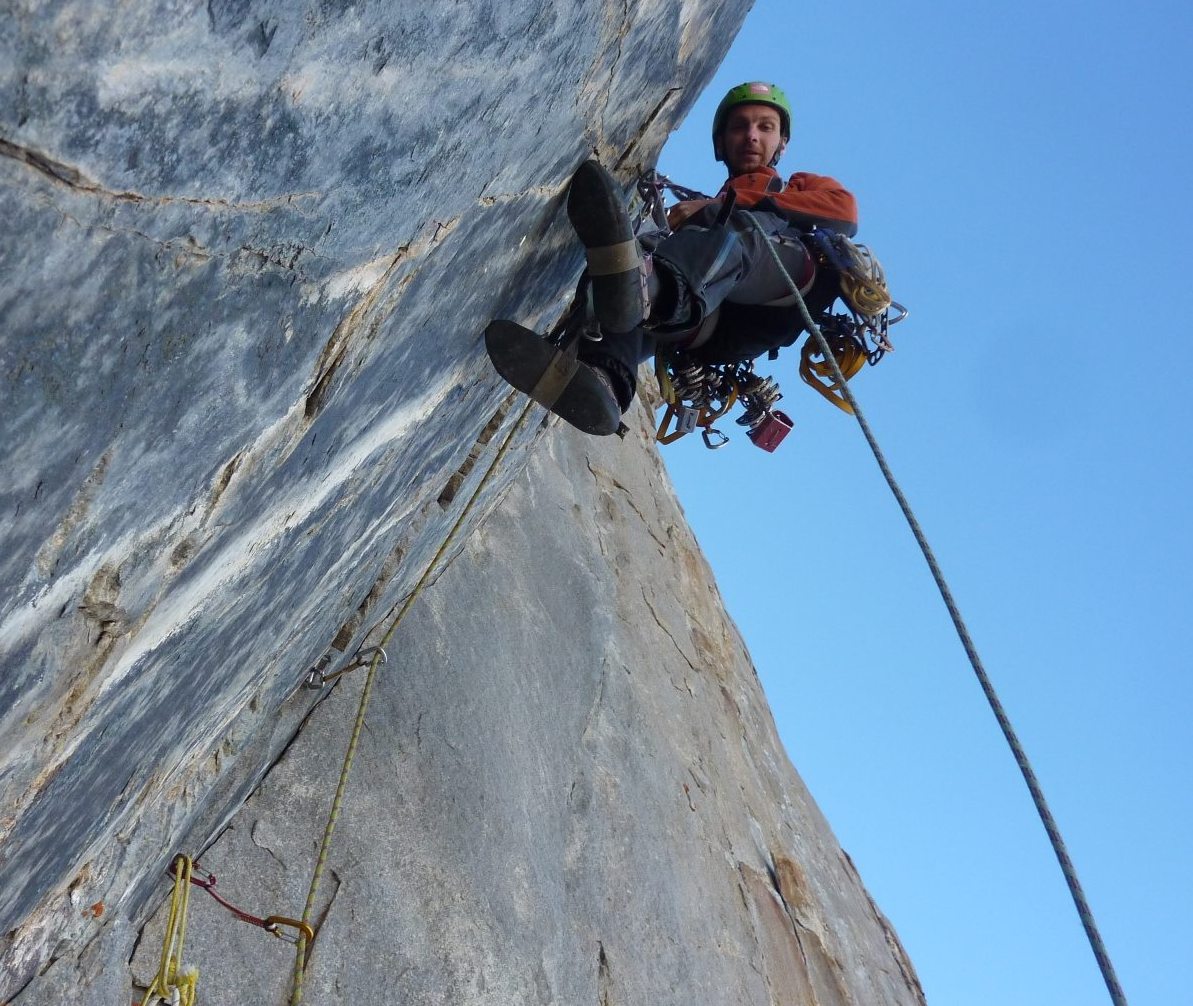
(173,983)
(711,392)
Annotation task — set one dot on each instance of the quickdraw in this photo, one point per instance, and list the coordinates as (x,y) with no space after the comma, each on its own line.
(317,676)
(275,925)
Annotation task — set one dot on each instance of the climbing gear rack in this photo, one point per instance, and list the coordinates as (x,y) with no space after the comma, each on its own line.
(698,394)
(275,925)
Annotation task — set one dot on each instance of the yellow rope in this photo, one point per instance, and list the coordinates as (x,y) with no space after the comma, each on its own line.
(358,726)
(173,984)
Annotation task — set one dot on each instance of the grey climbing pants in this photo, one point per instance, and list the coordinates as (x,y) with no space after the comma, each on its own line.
(725,265)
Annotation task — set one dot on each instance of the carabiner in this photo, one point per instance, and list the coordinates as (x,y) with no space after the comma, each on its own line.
(709,433)
(304,929)
(317,677)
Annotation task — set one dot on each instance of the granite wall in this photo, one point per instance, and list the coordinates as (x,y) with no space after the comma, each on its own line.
(249,249)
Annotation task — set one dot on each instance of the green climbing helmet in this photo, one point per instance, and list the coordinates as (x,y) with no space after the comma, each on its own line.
(753,92)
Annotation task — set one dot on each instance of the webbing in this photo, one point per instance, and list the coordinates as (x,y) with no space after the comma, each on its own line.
(366,693)
(1029,776)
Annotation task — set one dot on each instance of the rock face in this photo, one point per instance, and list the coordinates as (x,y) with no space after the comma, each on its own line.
(569,789)
(249,252)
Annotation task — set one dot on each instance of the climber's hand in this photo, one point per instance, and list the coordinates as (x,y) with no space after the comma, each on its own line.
(688,208)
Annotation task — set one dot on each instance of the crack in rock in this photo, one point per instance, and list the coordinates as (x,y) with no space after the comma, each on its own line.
(646,124)
(62,173)
(604,477)
(604,977)
(368,314)
(650,607)
(619,40)
(501,198)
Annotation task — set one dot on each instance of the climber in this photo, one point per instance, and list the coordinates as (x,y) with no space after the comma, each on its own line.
(710,288)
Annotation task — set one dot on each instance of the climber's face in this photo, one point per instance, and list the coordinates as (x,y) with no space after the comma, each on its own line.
(752,137)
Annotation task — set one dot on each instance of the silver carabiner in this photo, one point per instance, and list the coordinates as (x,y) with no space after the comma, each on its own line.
(317,677)
(709,433)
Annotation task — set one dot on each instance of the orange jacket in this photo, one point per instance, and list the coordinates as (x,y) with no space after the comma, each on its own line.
(806,200)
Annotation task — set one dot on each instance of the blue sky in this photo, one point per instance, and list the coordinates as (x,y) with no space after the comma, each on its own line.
(1023,173)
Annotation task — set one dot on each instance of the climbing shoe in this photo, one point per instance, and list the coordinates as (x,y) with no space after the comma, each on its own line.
(599,217)
(579,393)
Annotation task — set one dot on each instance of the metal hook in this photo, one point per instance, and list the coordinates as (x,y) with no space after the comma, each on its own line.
(709,433)
(304,929)
(317,677)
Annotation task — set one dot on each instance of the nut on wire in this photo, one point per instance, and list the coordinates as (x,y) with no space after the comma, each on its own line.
(317,677)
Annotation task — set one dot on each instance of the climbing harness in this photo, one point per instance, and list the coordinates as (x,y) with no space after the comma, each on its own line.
(697,394)
(306,935)
(173,983)
(1037,793)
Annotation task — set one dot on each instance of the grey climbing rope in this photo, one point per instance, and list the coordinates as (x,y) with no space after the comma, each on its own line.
(1029,776)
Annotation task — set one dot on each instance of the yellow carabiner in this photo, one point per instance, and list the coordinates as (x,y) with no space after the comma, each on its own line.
(663,376)
(818,373)
(304,929)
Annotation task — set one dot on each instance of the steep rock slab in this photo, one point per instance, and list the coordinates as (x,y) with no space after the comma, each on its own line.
(248,254)
(569,790)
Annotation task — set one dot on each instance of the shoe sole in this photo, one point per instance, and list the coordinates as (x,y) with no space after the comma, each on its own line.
(522,357)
